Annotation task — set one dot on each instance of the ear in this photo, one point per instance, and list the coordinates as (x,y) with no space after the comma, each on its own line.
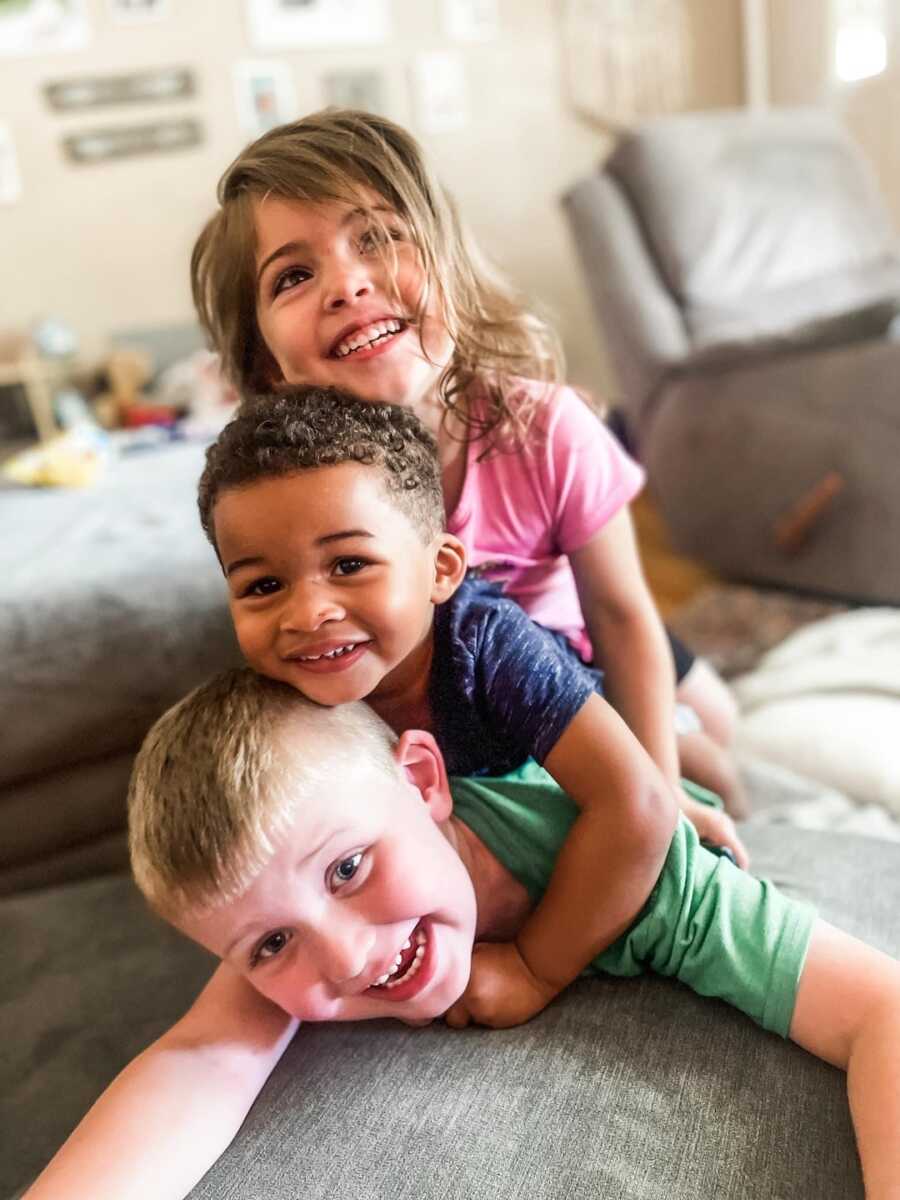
(449,566)
(417,754)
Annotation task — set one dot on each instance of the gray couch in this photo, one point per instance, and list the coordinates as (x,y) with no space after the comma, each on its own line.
(113,607)
(626,1090)
(745,277)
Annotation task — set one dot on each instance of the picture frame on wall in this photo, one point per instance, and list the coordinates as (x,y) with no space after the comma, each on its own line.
(351,87)
(137,87)
(43,27)
(265,95)
(298,24)
(439,91)
(136,12)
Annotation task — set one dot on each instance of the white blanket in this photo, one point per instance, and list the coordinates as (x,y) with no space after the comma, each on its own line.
(826,704)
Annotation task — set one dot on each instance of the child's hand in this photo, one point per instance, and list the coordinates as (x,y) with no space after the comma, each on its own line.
(502,991)
(713,826)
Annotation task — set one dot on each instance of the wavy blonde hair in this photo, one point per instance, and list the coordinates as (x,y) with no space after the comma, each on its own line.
(335,155)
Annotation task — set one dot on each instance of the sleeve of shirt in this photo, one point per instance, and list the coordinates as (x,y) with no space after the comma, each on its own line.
(587,475)
(527,685)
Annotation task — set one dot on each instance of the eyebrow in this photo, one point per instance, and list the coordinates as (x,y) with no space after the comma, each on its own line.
(261,926)
(301,246)
(326,540)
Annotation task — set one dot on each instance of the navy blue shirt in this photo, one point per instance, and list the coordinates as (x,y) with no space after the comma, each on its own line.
(502,688)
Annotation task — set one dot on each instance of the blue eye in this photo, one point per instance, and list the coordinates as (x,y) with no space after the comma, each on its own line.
(345,870)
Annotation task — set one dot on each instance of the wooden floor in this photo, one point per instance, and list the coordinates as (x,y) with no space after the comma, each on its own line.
(673,578)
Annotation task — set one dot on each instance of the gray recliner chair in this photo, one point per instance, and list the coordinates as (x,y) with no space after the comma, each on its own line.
(746,278)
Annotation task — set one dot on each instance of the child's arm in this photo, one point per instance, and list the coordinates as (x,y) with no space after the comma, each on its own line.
(605,870)
(639,681)
(848,1012)
(163,1122)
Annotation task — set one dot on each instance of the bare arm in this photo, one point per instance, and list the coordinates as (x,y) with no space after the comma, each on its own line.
(604,872)
(614,852)
(621,618)
(639,676)
(848,1012)
(163,1122)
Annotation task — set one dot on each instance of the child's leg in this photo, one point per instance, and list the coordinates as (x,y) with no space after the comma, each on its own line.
(704,690)
(705,754)
(848,1012)
(706,762)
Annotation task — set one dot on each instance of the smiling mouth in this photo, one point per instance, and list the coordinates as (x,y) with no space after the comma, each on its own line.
(369,336)
(338,652)
(407,962)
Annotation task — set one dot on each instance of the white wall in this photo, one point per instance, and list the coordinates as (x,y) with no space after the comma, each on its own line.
(105,247)
(801,50)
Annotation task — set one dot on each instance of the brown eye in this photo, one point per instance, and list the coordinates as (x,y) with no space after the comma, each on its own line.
(271,946)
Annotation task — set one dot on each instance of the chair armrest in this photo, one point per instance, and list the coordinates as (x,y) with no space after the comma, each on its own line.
(640,321)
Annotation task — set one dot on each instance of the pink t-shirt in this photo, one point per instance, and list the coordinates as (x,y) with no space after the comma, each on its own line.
(521,512)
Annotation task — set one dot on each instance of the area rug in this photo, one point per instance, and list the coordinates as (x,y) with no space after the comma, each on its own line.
(733,625)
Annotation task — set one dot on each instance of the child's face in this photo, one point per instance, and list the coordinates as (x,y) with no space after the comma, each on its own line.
(365,884)
(327,309)
(331,587)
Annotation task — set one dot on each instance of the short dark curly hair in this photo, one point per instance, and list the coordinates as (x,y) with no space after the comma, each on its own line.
(303,428)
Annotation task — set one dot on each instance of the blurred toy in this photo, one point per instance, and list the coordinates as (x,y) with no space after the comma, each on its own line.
(124,402)
(196,386)
(73,459)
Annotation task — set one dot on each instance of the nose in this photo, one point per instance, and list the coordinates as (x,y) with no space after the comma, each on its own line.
(348,279)
(309,607)
(343,948)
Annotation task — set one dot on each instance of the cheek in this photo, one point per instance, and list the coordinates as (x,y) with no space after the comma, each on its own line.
(296,993)
(251,632)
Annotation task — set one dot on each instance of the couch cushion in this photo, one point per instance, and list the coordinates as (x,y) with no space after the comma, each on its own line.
(113,607)
(622,1089)
(760,223)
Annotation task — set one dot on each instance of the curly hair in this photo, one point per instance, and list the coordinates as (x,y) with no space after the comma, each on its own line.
(340,155)
(303,428)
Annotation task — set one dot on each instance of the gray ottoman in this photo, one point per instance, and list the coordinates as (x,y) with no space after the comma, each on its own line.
(622,1089)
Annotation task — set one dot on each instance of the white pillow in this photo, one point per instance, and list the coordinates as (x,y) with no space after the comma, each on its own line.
(826,704)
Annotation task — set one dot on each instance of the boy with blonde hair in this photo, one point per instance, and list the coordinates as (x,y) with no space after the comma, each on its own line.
(331,868)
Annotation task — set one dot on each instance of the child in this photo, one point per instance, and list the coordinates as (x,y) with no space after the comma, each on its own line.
(326,515)
(363,898)
(336,260)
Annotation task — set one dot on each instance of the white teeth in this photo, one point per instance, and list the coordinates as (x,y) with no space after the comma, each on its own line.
(367,336)
(386,981)
(338,653)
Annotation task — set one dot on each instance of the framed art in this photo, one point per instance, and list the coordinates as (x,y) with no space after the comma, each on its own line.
(43,26)
(439,91)
(137,87)
(355,88)
(127,141)
(264,94)
(281,24)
